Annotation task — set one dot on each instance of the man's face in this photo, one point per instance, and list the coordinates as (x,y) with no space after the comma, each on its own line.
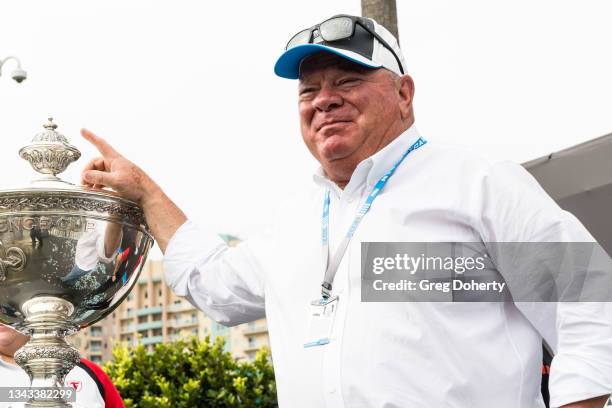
(347,112)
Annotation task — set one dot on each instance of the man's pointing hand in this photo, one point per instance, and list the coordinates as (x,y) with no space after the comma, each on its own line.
(114,171)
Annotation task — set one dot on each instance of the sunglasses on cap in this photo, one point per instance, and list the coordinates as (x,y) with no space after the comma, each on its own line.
(339,28)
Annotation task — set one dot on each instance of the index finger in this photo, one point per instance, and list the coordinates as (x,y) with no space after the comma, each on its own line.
(103,147)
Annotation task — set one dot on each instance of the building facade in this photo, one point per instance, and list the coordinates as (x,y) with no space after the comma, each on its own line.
(95,342)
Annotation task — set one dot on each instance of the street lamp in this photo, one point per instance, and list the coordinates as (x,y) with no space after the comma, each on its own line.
(19,75)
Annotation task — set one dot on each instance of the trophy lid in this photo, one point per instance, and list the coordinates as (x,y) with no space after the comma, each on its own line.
(50,135)
(50,154)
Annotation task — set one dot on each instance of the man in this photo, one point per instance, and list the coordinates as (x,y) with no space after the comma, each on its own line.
(356,118)
(93,387)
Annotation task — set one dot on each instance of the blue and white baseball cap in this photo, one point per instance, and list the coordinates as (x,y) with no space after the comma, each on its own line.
(362,48)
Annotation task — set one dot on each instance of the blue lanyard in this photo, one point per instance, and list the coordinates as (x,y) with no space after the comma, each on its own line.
(332,267)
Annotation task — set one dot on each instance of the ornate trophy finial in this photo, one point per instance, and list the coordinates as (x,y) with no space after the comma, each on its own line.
(50,125)
(50,153)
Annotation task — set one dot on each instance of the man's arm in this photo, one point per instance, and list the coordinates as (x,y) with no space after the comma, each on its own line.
(130,181)
(226,283)
(518,210)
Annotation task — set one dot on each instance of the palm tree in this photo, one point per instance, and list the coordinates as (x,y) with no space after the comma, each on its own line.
(383,11)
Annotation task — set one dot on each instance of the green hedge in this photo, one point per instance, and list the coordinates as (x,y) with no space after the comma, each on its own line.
(192,373)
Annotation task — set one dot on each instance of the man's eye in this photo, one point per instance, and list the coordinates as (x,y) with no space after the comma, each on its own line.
(306,91)
(348,81)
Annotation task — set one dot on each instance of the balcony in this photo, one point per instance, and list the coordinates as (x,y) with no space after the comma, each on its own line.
(181,307)
(143,280)
(182,323)
(252,348)
(151,340)
(150,325)
(250,331)
(149,310)
(181,336)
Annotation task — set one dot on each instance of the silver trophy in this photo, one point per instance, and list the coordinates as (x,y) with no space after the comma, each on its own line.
(69,255)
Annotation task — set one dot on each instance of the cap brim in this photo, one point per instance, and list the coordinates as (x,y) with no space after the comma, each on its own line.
(288,64)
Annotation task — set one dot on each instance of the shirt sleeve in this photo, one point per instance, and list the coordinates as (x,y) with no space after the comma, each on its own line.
(101,249)
(90,249)
(226,283)
(517,209)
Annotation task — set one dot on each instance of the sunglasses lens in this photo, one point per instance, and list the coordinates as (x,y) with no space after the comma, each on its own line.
(337,28)
(303,37)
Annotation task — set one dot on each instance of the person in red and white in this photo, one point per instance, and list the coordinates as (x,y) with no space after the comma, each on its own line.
(94,389)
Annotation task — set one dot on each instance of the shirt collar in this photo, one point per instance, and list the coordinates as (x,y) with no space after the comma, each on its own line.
(375,166)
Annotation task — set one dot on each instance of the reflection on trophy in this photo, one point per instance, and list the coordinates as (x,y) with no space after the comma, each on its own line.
(68,256)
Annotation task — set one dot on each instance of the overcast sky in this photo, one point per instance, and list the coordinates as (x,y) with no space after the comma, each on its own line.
(186,88)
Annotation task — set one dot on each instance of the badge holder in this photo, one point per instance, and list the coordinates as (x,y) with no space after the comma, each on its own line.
(322,316)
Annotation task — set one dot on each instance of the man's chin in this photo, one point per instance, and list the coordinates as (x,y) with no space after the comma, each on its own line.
(334,149)
(339,166)
(336,156)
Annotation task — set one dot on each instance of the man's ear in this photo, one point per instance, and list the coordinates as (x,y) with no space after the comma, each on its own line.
(406,94)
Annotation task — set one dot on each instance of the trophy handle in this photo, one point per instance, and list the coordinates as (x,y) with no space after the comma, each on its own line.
(14,259)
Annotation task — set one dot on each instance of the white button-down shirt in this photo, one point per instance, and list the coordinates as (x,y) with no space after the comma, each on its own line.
(468,355)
